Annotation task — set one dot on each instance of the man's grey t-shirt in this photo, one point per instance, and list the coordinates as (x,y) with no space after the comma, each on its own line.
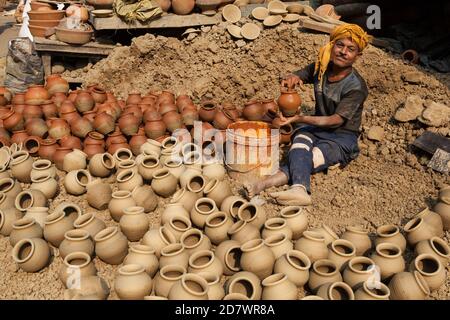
(345,97)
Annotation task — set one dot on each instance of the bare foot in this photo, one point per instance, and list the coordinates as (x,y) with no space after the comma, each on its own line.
(276,180)
(295,196)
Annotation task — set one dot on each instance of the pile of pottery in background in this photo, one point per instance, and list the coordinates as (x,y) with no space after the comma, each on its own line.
(207,234)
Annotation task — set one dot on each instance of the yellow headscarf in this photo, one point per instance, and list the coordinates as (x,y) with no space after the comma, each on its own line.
(353,31)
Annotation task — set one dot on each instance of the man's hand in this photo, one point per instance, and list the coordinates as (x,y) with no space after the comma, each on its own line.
(285,121)
(291,81)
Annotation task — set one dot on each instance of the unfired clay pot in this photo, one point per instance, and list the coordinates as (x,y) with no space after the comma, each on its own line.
(194,240)
(132,282)
(431,270)
(216,227)
(242,232)
(257,258)
(164,183)
(278,287)
(296,220)
(90,223)
(31,254)
(408,286)
(359,237)
(111,245)
(174,254)
(145,198)
(190,287)
(158,238)
(245,283)
(340,252)
(56,225)
(202,209)
(166,278)
(98,194)
(178,225)
(358,270)
(313,245)
(144,256)
(323,271)
(76,263)
(204,261)
(134,223)
(390,234)
(336,291)
(388,257)
(436,247)
(368,293)
(76,241)
(295,265)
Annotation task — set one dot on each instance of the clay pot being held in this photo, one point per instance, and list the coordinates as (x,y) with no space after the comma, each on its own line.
(417,230)
(90,223)
(216,227)
(207,111)
(98,194)
(174,254)
(340,252)
(358,271)
(158,238)
(390,234)
(296,219)
(7,218)
(408,286)
(323,271)
(194,240)
(336,291)
(436,247)
(252,214)
(36,95)
(21,166)
(381,292)
(434,220)
(111,245)
(246,284)
(278,287)
(84,101)
(79,263)
(36,127)
(431,269)
(134,224)
(202,209)
(129,124)
(145,198)
(359,237)
(77,240)
(186,198)
(129,179)
(132,282)
(257,258)
(56,225)
(164,183)
(13,121)
(47,149)
(285,131)
(32,254)
(253,111)
(76,182)
(143,255)
(242,232)
(58,128)
(388,257)
(104,123)
(279,244)
(276,226)
(24,228)
(55,83)
(289,101)
(166,278)
(313,245)
(295,265)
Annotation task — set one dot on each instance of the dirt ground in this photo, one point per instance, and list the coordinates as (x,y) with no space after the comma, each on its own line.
(387,184)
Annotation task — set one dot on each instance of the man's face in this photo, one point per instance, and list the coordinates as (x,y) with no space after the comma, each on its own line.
(344,53)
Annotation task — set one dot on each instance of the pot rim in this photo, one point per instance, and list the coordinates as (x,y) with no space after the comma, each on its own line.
(189,187)
(186,221)
(76,235)
(345,243)
(133,210)
(215,215)
(121,194)
(227,255)
(22,193)
(11,182)
(173,248)
(387,230)
(19,246)
(314,236)
(173,162)
(384,288)
(274,279)
(161,173)
(106,233)
(142,249)
(301,256)
(23,223)
(127,164)
(123,150)
(270,241)
(357,229)
(285,211)
(36,164)
(240,278)
(18,157)
(359,260)
(341,285)
(87,218)
(428,256)
(177,196)
(237,226)
(194,278)
(166,235)
(172,268)
(245,206)
(252,245)
(441,243)
(77,255)
(147,157)
(325,263)
(211,185)
(205,201)
(389,246)
(125,176)
(42,178)
(191,232)
(84,172)
(54,217)
(423,285)
(202,253)
(413,224)
(268,226)
(131,269)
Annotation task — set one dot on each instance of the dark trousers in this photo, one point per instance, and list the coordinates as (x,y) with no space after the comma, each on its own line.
(336,147)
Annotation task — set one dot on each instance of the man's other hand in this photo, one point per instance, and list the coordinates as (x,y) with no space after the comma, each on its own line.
(290,81)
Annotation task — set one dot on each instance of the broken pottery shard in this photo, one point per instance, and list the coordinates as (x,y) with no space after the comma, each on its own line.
(435,115)
(412,109)
(376,133)
(413,77)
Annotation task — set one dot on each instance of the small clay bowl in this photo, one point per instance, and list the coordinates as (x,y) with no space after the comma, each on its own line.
(278,11)
(272,21)
(231,13)
(295,8)
(235,31)
(37,31)
(46,15)
(102,13)
(250,31)
(276,4)
(44,23)
(260,13)
(291,17)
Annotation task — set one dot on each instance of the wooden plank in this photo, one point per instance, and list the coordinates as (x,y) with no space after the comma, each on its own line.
(91,48)
(47,64)
(91,44)
(430,142)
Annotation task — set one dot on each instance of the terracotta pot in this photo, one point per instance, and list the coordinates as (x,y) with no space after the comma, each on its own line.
(253,111)
(58,128)
(164,183)
(31,255)
(174,210)
(252,214)
(323,271)
(274,226)
(359,237)
(84,101)
(47,149)
(145,197)
(194,240)
(257,258)
(434,220)
(295,265)
(279,244)
(90,223)
(90,116)
(340,252)
(229,253)
(49,109)
(16,108)
(128,180)
(36,127)
(174,254)
(173,121)
(19,137)
(91,150)
(336,291)
(129,124)
(136,111)
(313,245)
(222,119)
(21,166)
(58,156)
(207,111)
(242,232)
(204,261)
(67,106)
(81,127)
(431,269)
(76,262)
(390,234)
(408,286)
(158,238)
(98,94)
(182,7)
(98,194)
(244,283)
(24,228)
(71,210)
(7,217)
(74,160)
(115,137)
(182,101)
(417,230)
(164,4)
(190,287)
(358,271)
(75,182)
(71,142)
(58,98)
(76,241)
(178,225)
(278,287)
(388,257)
(55,83)
(269,104)
(120,201)
(104,123)
(134,224)
(31,112)
(13,121)
(137,141)
(28,199)
(166,278)
(368,293)
(143,255)
(132,282)
(111,245)
(285,131)
(289,101)
(36,95)
(436,247)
